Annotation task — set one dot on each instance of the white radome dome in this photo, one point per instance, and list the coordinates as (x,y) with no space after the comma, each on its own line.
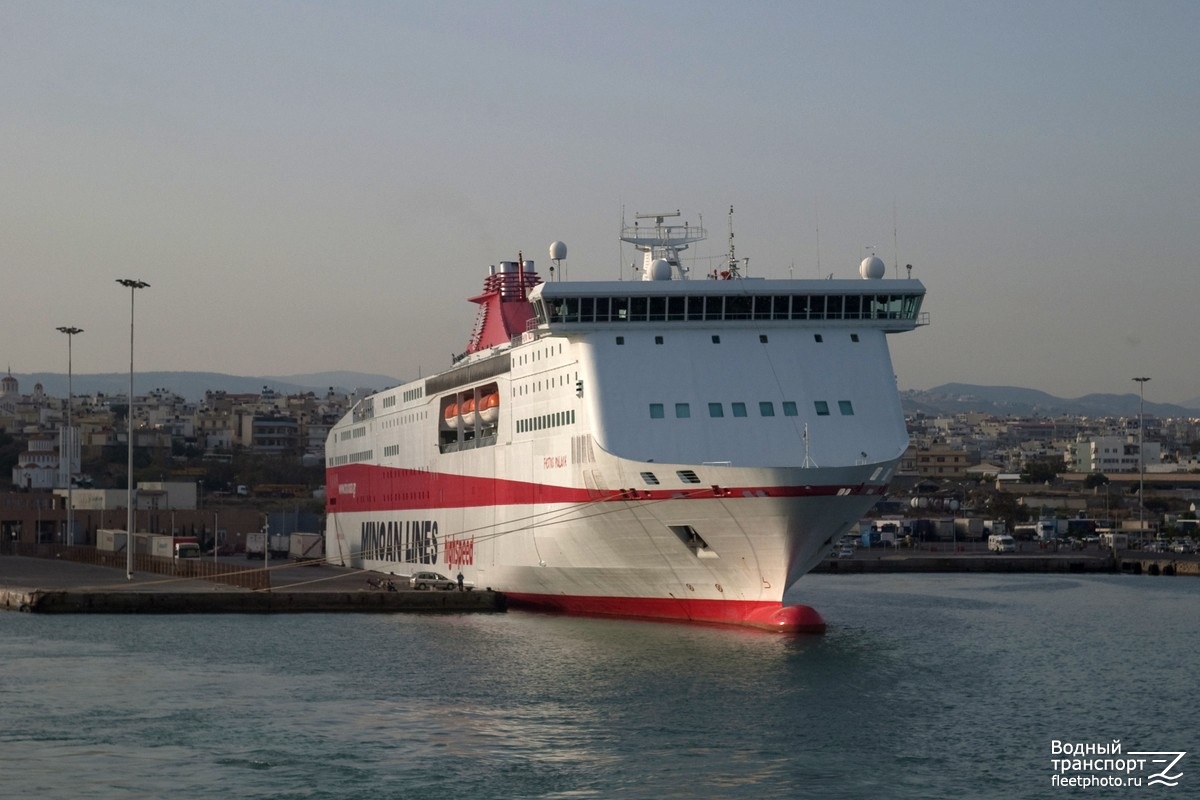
(660,270)
(872,268)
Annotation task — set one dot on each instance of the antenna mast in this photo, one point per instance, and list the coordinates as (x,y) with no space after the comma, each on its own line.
(895,241)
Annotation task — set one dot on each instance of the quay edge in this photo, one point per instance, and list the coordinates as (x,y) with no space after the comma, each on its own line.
(263,602)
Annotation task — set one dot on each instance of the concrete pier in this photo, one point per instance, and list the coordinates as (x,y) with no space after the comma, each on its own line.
(1091,561)
(975,562)
(50,586)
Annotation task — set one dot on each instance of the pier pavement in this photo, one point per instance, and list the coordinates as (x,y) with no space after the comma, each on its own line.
(50,585)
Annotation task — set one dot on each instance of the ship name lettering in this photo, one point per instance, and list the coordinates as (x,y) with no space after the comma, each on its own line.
(412,541)
(554,462)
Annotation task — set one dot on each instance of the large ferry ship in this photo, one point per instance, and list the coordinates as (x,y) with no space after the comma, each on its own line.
(672,447)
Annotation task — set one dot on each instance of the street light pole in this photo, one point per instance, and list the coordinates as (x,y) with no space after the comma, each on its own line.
(1141,382)
(133,285)
(69,444)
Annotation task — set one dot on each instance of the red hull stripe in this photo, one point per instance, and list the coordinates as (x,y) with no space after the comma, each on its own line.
(362,487)
(765,615)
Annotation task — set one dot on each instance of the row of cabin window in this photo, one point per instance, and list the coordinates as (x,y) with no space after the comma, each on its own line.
(734,307)
(546,421)
(762,337)
(350,458)
(766,408)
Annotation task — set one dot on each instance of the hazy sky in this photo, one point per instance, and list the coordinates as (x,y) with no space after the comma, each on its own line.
(320,186)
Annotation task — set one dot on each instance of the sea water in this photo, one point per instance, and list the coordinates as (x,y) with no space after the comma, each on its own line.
(925,686)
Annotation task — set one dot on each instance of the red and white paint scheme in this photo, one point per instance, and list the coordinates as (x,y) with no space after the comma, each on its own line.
(669,448)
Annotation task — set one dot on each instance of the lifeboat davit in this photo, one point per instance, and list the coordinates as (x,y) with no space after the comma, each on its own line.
(466,410)
(489,408)
(450,416)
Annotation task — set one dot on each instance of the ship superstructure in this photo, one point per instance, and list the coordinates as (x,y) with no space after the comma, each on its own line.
(666,448)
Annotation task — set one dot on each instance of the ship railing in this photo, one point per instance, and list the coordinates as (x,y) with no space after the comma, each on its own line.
(663,234)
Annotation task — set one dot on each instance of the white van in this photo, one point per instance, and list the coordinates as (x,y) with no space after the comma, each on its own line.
(1001,543)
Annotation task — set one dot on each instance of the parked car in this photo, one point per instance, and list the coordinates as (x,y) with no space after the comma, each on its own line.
(432,580)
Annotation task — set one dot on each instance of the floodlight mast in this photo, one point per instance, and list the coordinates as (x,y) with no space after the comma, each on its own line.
(133,285)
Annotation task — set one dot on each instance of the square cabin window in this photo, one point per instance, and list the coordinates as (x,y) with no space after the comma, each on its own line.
(656,411)
(739,409)
(766,408)
(683,410)
(822,408)
(846,407)
(789,409)
(716,410)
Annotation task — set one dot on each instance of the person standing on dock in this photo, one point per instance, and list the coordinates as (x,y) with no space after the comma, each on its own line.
(460,580)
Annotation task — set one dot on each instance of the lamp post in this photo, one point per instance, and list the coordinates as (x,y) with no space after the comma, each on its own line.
(69,442)
(1141,382)
(133,285)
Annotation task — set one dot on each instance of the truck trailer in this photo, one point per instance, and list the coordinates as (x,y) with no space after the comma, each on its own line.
(308,548)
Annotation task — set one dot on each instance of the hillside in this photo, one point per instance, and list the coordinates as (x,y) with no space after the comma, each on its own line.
(954,398)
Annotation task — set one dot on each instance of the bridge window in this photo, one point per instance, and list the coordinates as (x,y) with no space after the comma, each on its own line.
(739,409)
(766,408)
(846,407)
(637,309)
(658,309)
(822,408)
(656,411)
(683,410)
(714,307)
(762,307)
(716,410)
(675,308)
(781,308)
(738,307)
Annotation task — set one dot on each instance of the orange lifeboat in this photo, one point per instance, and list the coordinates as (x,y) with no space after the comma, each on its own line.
(450,416)
(466,409)
(489,408)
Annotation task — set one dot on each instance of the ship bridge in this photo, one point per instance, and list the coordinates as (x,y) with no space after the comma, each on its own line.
(892,306)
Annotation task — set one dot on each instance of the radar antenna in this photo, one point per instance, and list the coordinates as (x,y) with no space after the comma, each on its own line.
(661,244)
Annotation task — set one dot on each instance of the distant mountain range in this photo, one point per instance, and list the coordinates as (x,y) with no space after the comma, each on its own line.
(955,398)
(949,398)
(193,385)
